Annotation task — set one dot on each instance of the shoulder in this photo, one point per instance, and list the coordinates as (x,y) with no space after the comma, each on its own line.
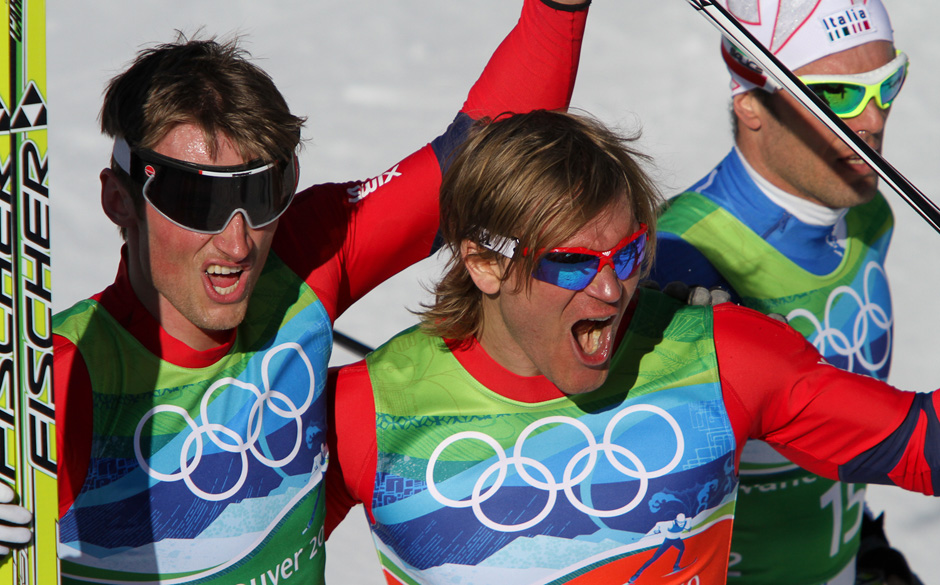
(353,376)
(64,353)
(741,323)
(751,343)
(351,410)
(65,321)
(683,211)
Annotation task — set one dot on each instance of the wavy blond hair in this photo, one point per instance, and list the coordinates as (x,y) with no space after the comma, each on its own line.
(538,177)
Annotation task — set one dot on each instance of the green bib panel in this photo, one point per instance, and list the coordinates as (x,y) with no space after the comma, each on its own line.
(204,475)
(473,487)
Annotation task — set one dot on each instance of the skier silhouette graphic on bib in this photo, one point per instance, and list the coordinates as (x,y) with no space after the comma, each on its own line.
(672,531)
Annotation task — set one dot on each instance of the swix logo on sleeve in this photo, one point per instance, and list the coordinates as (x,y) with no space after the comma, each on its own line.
(847,23)
(366,188)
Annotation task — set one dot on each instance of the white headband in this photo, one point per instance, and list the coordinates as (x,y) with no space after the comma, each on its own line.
(121,153)
(799,32)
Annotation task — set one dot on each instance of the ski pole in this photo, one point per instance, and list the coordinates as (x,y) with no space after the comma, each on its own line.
(738,34)
(348,343)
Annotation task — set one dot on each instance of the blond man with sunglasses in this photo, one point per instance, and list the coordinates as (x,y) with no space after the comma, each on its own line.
(551,422)
(791,222)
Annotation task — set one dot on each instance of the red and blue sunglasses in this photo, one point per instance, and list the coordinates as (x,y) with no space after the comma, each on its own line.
(575,268)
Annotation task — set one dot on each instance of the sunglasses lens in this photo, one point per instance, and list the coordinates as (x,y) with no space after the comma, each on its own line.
(629,257)
(575,269)
(570,271)
(841,98)
(891,87)
(205,203)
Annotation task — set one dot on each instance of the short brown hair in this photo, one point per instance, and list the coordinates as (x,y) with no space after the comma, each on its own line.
(537,177)
(208,83)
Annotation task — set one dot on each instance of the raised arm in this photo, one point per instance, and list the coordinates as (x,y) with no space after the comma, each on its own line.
(345,239)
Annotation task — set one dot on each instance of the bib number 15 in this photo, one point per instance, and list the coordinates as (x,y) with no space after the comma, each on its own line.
(854,498)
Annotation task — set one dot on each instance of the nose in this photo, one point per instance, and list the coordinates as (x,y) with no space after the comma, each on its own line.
(605,286)
(234,240)
(870,124)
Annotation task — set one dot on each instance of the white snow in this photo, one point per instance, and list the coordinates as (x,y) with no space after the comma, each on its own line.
(380,78)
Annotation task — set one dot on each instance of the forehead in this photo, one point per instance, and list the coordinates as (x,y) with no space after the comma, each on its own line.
(187,142)
(607,227)
(860,59)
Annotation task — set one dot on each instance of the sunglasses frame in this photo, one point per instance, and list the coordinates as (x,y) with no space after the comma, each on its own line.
(872,82)
(507,247)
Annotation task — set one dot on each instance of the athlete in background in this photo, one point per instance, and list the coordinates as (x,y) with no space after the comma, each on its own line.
(791,222)
(547,415)
(190,404)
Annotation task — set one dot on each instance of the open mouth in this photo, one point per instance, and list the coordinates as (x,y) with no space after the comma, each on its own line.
(224,279)
(855,160)
(593,337)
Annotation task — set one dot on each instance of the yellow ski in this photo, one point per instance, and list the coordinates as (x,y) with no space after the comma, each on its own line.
(27,409)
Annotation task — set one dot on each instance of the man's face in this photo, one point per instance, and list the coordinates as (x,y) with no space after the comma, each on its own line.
(797,153)
(567,336)
(196,285)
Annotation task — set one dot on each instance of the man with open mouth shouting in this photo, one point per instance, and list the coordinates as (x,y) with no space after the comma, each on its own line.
(550,422)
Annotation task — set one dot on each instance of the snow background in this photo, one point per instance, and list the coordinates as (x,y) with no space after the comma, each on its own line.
(379,79)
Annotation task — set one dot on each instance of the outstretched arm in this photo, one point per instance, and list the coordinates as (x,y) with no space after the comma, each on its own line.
(834,423)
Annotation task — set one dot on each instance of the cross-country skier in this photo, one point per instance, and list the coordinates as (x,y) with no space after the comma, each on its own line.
(791,222)
(189,393)
(532,427)
(672,538)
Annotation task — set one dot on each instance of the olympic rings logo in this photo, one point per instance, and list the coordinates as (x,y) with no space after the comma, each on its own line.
(547,481)
(870,316)
(270,399)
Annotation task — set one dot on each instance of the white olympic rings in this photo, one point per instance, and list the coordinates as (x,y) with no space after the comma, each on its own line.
(236,443)
(548,482)
(870,314)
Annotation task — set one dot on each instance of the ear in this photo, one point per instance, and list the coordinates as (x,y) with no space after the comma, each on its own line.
(749,110)
(486,272)
(117,202)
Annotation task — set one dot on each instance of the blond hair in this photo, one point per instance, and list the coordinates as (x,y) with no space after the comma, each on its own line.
(537,177)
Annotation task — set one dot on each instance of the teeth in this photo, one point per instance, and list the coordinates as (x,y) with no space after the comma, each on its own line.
(216,269)
(593,342)
(589,336)
(226,290)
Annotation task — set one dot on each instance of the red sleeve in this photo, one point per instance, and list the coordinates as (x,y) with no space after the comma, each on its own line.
(535,66)
(840,425)
(345,239)
(350,476)
(344,246)
(72,389)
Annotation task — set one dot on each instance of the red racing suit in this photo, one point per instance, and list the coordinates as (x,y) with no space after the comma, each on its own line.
(770,384)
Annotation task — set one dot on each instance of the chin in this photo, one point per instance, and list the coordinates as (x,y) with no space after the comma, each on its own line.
(583,384)
(225,320)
